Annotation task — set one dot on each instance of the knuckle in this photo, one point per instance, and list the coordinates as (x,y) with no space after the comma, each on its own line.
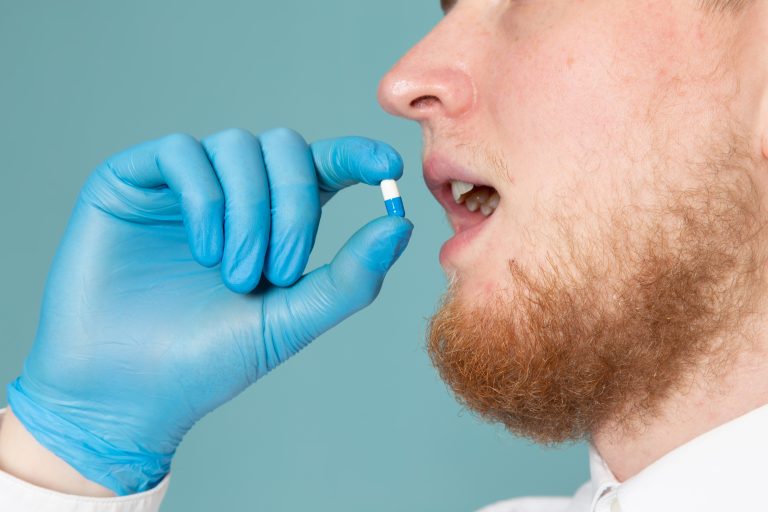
(177,142)
(282,135)
(235,137)
(179,139)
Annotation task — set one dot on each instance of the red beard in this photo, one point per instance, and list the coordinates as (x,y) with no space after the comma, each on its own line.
(607,334)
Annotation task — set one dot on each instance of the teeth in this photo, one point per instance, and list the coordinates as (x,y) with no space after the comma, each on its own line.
(474,198)
(472,204)
(482,195)
(493,201)
(459,188)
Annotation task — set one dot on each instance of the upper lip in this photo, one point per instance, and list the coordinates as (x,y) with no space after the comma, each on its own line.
(439,171)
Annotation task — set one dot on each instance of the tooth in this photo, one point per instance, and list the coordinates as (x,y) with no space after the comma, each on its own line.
(481,194)
(493,201)
(472,204)
(487,210)
(459,188)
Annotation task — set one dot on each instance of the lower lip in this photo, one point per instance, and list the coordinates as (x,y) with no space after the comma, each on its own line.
(459,242)
(466,230)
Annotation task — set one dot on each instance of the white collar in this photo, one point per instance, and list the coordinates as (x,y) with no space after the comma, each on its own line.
(722,470)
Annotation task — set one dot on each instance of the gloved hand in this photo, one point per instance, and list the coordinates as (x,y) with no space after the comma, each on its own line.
(153,313)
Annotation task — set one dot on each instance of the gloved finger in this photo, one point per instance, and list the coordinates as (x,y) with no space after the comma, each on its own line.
(179,162)
(295,205)
(349,160)
(237,159)
(323,298)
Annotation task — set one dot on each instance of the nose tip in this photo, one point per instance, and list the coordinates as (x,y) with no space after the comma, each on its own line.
(419,91)
(391,94)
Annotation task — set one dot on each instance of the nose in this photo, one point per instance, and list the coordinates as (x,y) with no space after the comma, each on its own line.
(431,80)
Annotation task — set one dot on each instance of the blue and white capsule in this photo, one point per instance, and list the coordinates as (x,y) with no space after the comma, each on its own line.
(392,199)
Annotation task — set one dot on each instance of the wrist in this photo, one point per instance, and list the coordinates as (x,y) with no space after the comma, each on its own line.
(23,457)
(89,445)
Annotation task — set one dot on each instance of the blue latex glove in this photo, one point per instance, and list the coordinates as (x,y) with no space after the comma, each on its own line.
(140,336)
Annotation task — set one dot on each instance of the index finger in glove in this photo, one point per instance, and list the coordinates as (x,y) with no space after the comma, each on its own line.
(346,161)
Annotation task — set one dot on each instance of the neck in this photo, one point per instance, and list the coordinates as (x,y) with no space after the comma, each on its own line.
(699,408)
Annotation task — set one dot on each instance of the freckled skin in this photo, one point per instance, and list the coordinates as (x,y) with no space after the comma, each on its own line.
(628,142)
(566,94)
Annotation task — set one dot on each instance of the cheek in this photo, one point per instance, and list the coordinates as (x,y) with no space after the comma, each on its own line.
(582,88)
(575,107)
(562,120)
(559,101)
(573,111)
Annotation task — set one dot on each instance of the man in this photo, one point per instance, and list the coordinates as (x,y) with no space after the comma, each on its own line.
(603,165)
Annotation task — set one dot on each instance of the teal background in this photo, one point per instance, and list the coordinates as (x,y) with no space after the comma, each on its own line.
(360,420)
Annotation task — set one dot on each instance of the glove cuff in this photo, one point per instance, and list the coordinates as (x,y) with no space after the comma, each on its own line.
(123,472)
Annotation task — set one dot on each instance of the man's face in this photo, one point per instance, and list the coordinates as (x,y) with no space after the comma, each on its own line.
(613,146)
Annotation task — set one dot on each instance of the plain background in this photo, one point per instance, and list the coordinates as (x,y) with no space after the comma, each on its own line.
(359,420)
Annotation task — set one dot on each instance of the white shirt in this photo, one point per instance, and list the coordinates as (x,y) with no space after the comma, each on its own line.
(723,470)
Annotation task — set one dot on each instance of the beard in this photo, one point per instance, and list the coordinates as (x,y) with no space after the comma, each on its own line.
(618,321)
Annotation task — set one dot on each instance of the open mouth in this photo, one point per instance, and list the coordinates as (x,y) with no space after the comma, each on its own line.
(475,197)
(470,202)
(467,205)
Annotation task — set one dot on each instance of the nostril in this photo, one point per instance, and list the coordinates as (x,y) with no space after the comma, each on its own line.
(424,102)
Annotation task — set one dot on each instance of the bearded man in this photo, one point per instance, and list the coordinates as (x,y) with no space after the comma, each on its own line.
(614,290)
(604,166)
